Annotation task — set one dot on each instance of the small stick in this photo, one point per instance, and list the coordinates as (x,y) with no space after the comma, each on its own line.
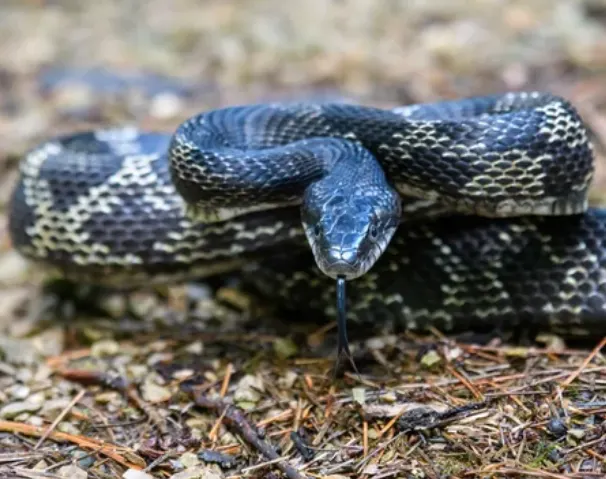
(60,417)
(110,450)
(584,364)
(235,418)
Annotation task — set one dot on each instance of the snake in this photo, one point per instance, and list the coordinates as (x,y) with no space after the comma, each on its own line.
(455,214)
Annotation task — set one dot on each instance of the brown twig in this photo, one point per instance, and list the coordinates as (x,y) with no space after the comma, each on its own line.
(234,418)
(118,384)
(110,450)
(585,363)
(60,417)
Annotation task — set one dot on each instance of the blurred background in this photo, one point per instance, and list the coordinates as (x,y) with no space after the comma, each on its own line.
(68,65)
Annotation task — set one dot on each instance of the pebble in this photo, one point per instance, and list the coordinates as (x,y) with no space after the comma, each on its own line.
(14,409)
(248,389)
(115,304)
(17,351)
(288,380)
(199,292)
(285,348)
(554,455)
(18,391)
(223,460)
(55,405)
(137,371)
(431,358)
(50,343)
(105,347)
(198,473)
(134,474)
(40,465)
(577,433)
(165,106)
(85,459)
(13,267)
(143,305)
(155,393)
(196,347)
(189,459)
(68,428)
(36,421)
(557,427)
(72,472)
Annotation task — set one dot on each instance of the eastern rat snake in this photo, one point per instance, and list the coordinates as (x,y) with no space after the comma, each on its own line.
(122,207)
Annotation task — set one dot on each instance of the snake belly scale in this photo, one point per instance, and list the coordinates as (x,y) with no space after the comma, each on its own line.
(114,207)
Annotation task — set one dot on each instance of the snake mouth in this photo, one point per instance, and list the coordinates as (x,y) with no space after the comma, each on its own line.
(342,263)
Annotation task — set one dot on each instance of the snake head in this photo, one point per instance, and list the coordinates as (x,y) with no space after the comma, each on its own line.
(349,228)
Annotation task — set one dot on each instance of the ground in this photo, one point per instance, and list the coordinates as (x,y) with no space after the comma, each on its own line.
(139,386)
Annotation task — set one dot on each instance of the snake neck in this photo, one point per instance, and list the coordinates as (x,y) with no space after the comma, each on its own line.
(348,209)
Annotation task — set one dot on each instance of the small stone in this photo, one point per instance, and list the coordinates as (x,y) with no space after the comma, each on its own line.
(159,357)
(24,375)
(430,359)
(134,474)
(37,398)
(288,380)
(189,459)
(285,348)
(554,455)
(577,433)
(165,106)
(115,305)
(557,427)
(155,393)
(196,347)
(7,369)
(12,410)
(359,395)
(142,305)
(199,292)
(105,347)
(40,465)
(50,343)
(454,353)
(85,459)
(248,389)
(108,397)
(18,391)
(381,342)
(137,371)
(13,267)
(198,473)
(17,351)
(35,421)
(225,461)
(68,428)
(72,472)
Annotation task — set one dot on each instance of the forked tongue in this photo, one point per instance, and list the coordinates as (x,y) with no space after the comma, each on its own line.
(342,341)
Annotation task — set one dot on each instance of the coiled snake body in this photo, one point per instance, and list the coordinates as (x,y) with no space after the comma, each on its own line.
(122,207)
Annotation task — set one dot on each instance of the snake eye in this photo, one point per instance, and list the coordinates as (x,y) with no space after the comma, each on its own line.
(317,231)
(374,232)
